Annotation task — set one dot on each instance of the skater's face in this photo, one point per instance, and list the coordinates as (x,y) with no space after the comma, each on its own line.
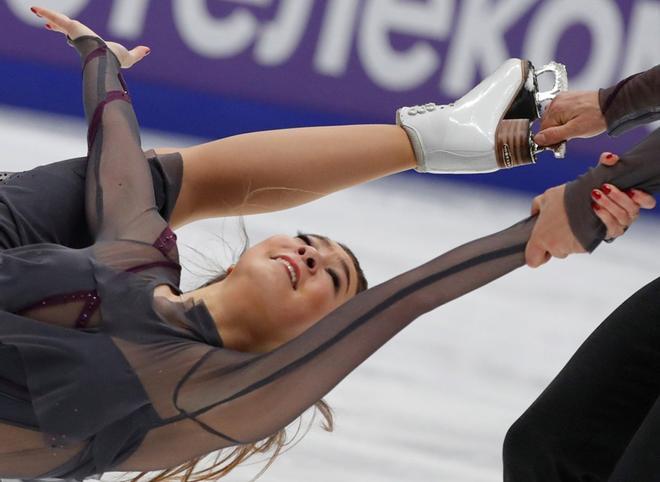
(292,282)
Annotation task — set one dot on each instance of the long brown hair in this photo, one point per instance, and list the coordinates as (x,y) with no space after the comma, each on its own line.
(276,442)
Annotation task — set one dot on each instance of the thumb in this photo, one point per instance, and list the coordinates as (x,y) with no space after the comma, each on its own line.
(138,53)
(553,135)
(536,205)
(535,255)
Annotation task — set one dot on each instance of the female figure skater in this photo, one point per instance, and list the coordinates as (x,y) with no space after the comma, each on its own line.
(599,419)
(150,379)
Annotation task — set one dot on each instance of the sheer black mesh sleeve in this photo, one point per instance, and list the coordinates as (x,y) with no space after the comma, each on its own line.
(119,200)
(215,397)
(638,168)
(631,102)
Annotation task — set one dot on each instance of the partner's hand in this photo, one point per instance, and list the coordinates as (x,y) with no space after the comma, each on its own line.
(552,235)
(570,115)
(616,209)
(58,22)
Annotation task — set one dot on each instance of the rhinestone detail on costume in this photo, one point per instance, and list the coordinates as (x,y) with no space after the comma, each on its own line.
(91,298)
(166,241)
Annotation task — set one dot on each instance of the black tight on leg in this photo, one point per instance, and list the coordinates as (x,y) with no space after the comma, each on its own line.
(581,425)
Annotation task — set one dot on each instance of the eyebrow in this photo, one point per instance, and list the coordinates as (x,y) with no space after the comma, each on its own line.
(327,243)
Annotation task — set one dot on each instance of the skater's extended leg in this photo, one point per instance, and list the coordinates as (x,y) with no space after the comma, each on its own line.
(273,170)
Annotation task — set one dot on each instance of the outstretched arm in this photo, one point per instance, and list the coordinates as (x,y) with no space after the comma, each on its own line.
(119,197)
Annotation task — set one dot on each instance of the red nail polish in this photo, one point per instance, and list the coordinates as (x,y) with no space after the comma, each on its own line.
(606,189)
(609,156)
(34,10)
(630,193)
(48,27)
(596,194)
(595,206)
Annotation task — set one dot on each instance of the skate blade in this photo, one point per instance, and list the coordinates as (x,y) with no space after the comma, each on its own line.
(544,98)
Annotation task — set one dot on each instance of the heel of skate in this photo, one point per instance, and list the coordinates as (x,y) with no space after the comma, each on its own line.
(514,143)
(525,106)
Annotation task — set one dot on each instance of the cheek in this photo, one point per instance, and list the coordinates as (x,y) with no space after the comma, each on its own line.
(317,300)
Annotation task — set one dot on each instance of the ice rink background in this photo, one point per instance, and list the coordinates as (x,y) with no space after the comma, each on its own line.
(434,404)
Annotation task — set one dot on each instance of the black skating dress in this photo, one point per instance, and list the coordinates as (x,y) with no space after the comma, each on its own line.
(99,375)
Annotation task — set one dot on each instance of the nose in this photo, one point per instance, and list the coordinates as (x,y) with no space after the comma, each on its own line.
(310,257)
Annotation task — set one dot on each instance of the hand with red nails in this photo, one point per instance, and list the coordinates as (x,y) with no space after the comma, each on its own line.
(570,115)
(552,235)
(58,22)
(617,209)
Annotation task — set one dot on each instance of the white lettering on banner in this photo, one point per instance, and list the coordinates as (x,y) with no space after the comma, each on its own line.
(643,40)
(603,20)
(479,41)
(477,46)
(402,70)
(70,8)
(643,50)
(215,37)
(127,18)
(336,38)
(280,38)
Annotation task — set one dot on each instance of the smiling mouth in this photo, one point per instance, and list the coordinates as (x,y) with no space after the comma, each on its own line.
(290,269)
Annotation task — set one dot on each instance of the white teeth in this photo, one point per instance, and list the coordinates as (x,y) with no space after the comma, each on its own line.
(292,272)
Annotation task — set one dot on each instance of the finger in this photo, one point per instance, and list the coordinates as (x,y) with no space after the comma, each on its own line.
(535,255)
(51,16)
(138,53)
(645,200)
(55,28)
(555,135)
(614,228)
(610,206)
(608,159)
(551,116)
(623,200)
(536,205)
(55,22)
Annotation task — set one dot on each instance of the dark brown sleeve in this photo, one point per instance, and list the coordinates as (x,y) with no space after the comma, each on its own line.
(638,168)
(633,101)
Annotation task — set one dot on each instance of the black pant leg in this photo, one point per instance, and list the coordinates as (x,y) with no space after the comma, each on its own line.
(641,459)
(581,424)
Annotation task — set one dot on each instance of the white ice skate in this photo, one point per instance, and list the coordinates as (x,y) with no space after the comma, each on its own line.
(487,129)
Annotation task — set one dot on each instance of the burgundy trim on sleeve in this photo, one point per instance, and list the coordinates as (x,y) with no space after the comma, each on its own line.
(96,118)
(164,264)
(166,241)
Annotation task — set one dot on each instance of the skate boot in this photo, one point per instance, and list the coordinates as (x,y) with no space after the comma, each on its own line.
(487,129)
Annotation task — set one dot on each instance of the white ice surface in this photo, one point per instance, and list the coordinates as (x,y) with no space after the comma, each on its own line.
(435,403)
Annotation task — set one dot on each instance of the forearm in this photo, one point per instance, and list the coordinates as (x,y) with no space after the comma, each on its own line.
(118,184)
(274,170)
(633,101)
(639,168)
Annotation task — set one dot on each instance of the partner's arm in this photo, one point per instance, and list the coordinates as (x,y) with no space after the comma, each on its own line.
(617,109)
(633,101)
(567,222)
